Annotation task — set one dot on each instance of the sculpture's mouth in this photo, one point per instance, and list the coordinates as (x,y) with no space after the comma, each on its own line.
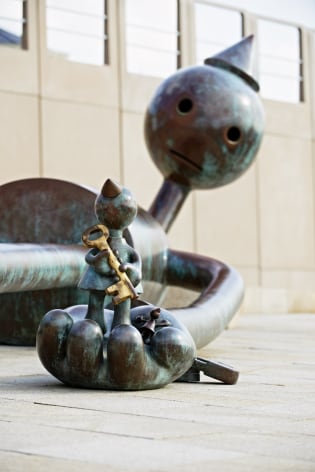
(181,158)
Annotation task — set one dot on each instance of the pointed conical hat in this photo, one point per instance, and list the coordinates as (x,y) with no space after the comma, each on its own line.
(237,59)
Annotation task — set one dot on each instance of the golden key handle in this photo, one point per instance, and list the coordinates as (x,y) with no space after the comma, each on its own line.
(101,242)
(123,289)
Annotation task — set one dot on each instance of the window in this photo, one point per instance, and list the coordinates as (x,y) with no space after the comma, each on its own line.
(280,61)
(152,37)
(77,30)
(13,23)
(216,29)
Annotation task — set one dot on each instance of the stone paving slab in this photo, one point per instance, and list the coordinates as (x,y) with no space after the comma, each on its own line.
(264,422)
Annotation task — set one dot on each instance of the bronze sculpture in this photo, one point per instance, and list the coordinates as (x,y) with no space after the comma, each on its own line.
(203,130)
(115,208)
(119,347)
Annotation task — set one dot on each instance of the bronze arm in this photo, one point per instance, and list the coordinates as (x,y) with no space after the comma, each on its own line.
(220,290)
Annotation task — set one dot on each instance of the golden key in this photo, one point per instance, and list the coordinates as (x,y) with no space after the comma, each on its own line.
(123,289)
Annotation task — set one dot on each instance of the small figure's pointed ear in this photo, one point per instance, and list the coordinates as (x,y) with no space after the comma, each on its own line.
(111,189)
(239,55)
(238,59)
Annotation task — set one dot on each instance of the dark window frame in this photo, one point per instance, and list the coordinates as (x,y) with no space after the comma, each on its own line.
(300,60)
(106,56)
(12,39)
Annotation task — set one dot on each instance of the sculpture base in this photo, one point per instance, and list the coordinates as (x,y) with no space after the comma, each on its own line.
(76,352)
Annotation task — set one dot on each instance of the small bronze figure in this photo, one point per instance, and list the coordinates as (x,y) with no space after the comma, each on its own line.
(115,267)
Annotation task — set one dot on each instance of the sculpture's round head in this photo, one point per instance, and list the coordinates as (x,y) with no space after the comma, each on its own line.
(115,206)
(204,125)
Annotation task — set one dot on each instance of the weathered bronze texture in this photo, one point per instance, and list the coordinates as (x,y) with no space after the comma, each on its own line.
(40,245)
(114,266)
(74,350)
(95,352)
(214,369)
(148,329)
(203,129)
(123,288)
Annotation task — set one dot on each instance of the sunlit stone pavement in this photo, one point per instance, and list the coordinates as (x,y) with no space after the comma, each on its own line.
(264,422)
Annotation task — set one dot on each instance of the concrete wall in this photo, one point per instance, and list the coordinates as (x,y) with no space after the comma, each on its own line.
(84,123)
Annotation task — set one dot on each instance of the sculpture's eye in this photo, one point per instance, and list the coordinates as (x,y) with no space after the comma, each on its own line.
(184,106)
(232,135)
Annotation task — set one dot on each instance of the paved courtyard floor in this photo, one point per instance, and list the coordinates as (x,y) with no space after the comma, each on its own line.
(266,422)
